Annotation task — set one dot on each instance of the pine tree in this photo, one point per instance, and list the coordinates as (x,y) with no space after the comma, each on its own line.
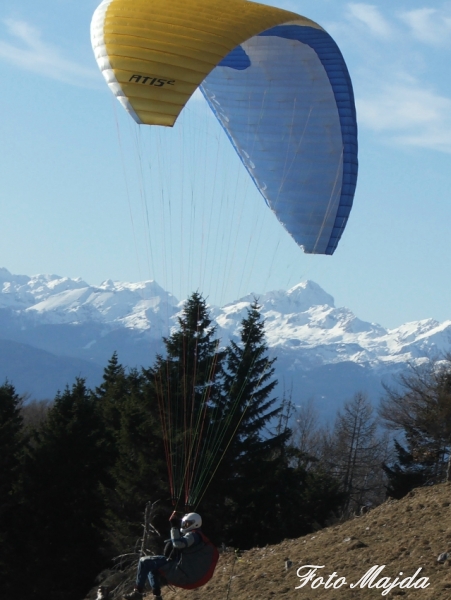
(63,510)
(139,469)
(246,489)
(186,384)
(420,408)
(112,372)
(12,448)
(11,443)
(405,474)
(111,394)
(248,384)
(110,398)
(262,493)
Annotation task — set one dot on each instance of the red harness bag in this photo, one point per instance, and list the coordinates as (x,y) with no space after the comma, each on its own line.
(195,567)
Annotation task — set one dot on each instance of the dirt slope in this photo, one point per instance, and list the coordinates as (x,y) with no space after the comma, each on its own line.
(404,535)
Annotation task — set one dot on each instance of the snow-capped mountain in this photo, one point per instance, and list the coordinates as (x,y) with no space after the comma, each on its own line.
(54,300)
(305,320)
(54,328)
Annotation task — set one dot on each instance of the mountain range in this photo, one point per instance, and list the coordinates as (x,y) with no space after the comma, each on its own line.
(53,329)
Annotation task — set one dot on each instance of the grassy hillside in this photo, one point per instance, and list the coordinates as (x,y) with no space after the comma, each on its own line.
(404,535)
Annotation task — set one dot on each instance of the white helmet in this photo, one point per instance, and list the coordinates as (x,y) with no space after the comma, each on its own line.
(191,521)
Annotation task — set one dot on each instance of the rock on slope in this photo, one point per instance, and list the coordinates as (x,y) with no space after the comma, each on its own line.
(404,535)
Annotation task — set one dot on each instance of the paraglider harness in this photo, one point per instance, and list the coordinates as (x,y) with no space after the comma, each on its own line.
(207,552)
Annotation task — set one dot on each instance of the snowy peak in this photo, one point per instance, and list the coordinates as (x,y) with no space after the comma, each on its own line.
(52,299)
(303,316)
(422,338)
(299,298)
(302,323)
(288,305)
(20,291)
(6,276)
(303,296)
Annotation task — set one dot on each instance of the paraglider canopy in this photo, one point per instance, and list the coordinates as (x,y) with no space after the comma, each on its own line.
(275,80)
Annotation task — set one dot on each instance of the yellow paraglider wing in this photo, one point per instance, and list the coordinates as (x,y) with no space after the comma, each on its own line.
(155,53)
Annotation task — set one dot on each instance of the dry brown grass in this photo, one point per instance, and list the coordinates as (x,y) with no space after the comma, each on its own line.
(403,535)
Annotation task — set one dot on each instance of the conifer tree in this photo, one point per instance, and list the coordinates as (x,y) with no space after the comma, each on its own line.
(64,508)
(11,444)
(139,469)
(253,455)
(406,473)
(420,408)
(186,384)
(112,372)
(12,447)
(111,393)
(261,493)
(248,384)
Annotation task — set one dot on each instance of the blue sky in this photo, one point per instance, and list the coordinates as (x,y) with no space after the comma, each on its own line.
(87,193)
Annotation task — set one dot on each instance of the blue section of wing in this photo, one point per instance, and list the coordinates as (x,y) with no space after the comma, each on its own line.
(335,67)
(285,100)
(237,59)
